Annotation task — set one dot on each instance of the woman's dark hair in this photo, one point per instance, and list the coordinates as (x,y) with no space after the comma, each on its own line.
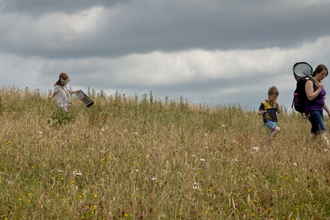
(319,69)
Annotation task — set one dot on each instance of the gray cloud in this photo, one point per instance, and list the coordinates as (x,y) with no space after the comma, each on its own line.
(123,27)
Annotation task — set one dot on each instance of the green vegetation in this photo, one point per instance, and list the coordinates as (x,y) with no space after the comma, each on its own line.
(146,158)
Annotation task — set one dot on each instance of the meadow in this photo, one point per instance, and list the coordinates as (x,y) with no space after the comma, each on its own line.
(155,158)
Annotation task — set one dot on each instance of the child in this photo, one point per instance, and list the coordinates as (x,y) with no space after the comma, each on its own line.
(268,110)
(62,92)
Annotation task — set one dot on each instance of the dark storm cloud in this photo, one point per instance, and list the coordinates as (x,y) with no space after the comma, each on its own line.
(41,7)
(144,26)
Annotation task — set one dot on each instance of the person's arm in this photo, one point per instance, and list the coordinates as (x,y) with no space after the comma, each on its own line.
(261,112)
(73,92)
(278,107)
(261,109)
(311,94)
(52,96)
(325,107)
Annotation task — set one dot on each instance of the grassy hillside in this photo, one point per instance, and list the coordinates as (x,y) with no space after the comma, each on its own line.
(145,158)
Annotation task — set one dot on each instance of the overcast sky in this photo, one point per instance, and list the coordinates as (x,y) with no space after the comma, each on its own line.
(215,52)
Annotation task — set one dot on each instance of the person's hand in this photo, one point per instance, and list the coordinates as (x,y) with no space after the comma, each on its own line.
(320,85)
(261,112)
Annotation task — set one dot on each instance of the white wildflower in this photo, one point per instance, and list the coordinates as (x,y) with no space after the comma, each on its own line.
(60,171)
(202,159)
(78,174)
(153,178)
(256,148)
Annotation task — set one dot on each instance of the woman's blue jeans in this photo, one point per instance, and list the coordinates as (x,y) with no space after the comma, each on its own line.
(316,119)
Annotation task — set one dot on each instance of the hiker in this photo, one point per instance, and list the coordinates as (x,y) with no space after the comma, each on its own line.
(62,93)
(314,108)
(269,109)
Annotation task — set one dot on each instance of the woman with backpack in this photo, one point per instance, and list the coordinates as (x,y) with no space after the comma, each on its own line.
(314,108)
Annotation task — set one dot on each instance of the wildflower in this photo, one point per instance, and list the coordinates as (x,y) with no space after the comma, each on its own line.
(78,174)
(102,129)
(256,148)
(205,134)
(202,159)
(295,164)
(153,178)
(60,171)
(223,125)
(193,155)
(136,133)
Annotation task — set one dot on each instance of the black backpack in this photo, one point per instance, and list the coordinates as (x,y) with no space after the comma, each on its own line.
(302,72)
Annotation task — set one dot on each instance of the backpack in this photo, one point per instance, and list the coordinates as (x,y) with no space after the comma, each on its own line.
(302,72)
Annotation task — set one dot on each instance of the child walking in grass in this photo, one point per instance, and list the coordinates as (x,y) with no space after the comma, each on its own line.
(269,110)
(62,93)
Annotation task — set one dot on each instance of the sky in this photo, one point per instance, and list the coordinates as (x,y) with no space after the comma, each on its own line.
(213,52)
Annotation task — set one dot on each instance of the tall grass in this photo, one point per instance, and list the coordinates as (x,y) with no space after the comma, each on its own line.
(147,158)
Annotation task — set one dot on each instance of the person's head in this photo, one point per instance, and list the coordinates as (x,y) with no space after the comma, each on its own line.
(62,79)
(273,93)
(321,71)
